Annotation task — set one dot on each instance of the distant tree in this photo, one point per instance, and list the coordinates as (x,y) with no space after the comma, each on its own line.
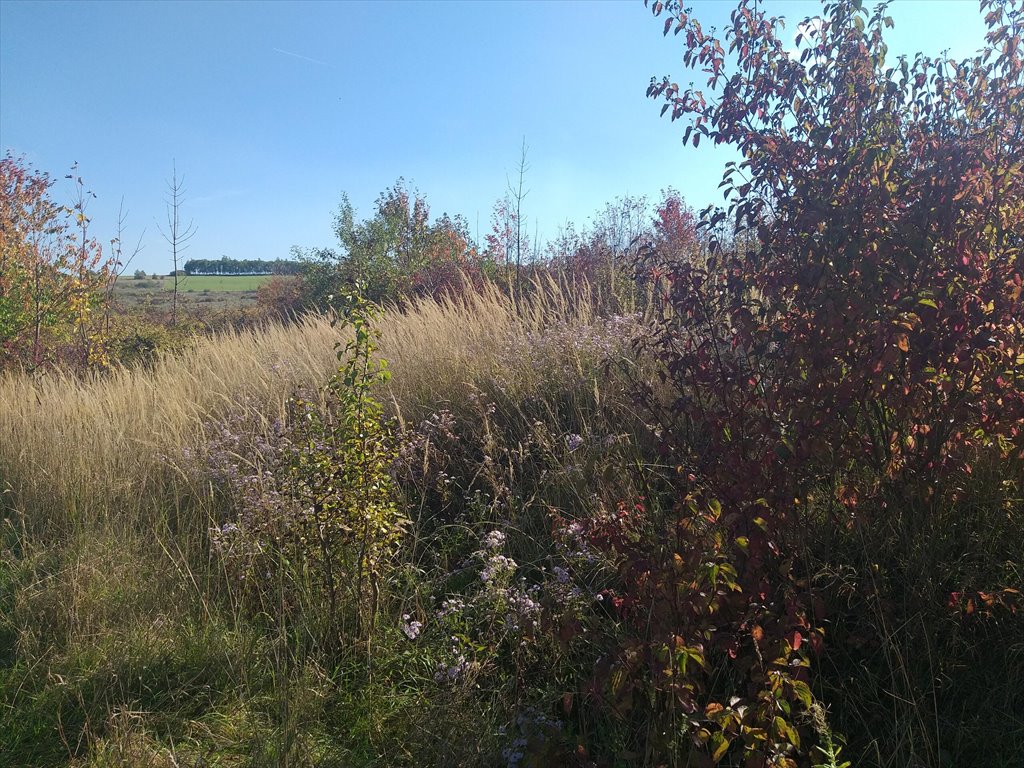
(178,234)
(282,296)
(227,266)
(383,252)
(450,258)
(604,253)
(501,239)
(393,255)
(121,262)
(675,227)
(320,269)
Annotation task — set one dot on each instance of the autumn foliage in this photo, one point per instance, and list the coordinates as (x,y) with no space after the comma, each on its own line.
(52,274)
(852,341)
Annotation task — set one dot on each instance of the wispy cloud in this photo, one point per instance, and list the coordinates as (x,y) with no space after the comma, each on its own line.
(300,56)
(217,196)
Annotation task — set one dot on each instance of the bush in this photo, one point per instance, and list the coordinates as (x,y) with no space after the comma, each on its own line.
(848,350)
(133,340)
(319,511)
(52,274)
(282,296)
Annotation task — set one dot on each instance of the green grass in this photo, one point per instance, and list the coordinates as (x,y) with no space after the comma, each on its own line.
(220,283)
(212,292)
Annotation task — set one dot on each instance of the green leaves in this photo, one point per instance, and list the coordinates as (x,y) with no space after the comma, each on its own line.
(52,274)
(327,517)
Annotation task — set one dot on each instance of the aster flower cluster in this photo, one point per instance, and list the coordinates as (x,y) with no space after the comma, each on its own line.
(522,606)
(567,354)
(498,600)
(243,467)
(533,730)
(411,629)
(451,607)
(422,455)
(494,540)
(457,666)
(497,567)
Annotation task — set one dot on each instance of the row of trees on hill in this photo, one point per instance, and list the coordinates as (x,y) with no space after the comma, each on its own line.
(226,266)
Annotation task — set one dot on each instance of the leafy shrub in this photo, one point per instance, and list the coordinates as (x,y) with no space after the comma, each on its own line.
(282,296)
(317,517)
(134,340)
(852,346)
(52,274)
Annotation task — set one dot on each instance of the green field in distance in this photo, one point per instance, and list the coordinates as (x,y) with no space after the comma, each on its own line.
(194,283)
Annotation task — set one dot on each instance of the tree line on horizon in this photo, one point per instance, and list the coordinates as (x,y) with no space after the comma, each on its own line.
(228,266)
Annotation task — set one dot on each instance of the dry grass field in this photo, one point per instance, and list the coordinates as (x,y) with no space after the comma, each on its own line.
(127,638)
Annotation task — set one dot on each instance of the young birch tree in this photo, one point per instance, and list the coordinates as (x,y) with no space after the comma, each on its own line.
(178,234)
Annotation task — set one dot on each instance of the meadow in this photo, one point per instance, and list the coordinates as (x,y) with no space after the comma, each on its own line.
(219,283)
(743,491)
(212,292)
(124,642)
(137,632)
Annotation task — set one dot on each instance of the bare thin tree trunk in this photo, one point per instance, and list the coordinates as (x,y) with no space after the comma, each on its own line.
(177,235)
(518,195)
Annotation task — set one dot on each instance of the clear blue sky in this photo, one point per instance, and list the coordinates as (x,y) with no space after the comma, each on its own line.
(271,110)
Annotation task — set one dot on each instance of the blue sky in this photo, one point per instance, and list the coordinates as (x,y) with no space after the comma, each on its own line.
(271,110)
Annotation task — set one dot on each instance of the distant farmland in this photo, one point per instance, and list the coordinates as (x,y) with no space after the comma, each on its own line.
(227,283)
(213,291)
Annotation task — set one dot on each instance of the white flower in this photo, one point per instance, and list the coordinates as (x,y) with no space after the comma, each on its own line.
(411,628)
(494,540)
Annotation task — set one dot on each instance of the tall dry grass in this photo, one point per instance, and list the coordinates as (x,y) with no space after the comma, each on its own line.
(75,451)
(440,350)
(115,622)
(110,587)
